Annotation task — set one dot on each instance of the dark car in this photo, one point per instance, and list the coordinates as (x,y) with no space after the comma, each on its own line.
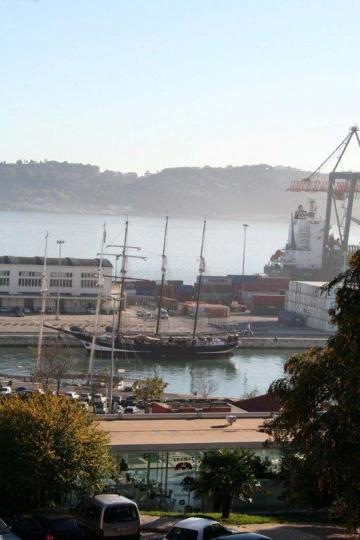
(244,536)
(76,329)
(47,526)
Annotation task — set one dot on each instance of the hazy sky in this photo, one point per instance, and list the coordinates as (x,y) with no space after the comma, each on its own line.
(147,84)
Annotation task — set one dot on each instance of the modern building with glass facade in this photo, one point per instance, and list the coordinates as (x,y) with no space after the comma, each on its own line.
(155,455)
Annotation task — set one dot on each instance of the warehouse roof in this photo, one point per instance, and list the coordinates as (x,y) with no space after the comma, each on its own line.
(184,433)
(65,261)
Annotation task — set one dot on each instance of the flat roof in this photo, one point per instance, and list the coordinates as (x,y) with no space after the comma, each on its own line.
(51,261)
(184,433)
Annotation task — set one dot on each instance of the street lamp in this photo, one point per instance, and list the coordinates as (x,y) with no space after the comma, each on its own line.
(60,243)
(245,226)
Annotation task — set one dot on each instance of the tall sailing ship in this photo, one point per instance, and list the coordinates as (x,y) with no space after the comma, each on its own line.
(157,345)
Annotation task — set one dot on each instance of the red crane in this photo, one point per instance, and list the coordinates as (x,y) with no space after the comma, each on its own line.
(340,190)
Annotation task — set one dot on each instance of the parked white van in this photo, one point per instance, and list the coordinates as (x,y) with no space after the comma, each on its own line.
(109,516)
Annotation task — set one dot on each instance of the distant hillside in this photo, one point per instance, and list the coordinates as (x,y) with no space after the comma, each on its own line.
(249,191)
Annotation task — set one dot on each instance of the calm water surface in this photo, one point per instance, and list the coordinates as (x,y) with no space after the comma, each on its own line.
(246,371)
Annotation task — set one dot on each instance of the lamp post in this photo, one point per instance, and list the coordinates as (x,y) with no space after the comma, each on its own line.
(60,243)
(245,226)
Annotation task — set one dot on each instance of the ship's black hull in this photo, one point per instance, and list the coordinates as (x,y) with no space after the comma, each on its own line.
(151,347)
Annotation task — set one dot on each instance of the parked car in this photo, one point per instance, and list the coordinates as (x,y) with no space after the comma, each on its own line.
(197,529)
(5,390)
(76,329)
(85,396)
(109,516)
(131,410)
(4,310)
(6,532)
(72,395)
(100,408)
(128,388)
(91,311)
(99,398)
(117,408)
(47,526)
(84,404)
(141,313)
(21,389)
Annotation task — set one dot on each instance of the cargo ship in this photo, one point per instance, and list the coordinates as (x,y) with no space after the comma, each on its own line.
(302,256)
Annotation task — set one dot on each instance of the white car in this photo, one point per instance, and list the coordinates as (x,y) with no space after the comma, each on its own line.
(72,395)
(197,529)
(5,390)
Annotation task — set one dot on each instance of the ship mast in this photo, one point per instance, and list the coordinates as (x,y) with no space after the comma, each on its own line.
(44,291)
(163,273)
(201,271)
(124,255)
(100,284)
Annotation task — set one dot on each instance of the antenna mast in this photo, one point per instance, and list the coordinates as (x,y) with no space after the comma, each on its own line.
(163,273)
(201,271)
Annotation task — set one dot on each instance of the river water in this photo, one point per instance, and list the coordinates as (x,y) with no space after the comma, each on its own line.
(246,371)
(23,233)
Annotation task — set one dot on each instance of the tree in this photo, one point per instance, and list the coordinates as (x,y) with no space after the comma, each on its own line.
(50,448)
(204,385)
(227,474)
(150,388)
(319,422)
(55,364)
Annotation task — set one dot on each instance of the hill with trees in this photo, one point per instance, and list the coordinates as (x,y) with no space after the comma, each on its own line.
(256,191)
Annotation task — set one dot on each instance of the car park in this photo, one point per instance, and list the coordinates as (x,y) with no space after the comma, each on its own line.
(47,526)
(197,529)
(109,516)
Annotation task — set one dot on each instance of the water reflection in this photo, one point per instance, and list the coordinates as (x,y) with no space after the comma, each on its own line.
(244,372)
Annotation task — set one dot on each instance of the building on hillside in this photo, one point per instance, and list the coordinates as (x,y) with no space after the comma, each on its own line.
(21,282)
(312,302)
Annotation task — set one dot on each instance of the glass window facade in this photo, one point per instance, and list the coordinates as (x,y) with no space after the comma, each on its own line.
(154,479)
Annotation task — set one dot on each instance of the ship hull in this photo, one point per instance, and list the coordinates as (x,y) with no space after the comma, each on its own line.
(161,350)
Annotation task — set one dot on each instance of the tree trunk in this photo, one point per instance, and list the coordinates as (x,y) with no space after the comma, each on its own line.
(226,506)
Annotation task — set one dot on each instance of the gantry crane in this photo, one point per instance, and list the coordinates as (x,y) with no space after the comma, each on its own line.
(340,186)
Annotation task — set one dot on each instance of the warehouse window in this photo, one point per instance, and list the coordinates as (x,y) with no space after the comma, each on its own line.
(29,279)
(65,279)
(4,278)
(88,280)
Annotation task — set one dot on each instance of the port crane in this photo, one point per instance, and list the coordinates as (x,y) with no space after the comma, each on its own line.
(340,186)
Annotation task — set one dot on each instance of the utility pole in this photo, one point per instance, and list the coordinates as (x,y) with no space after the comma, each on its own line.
(44,291)
(245,226)
(60,243)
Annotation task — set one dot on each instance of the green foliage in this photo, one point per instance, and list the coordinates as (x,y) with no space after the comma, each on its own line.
(50,447)
(319,423)
(233,519)
(150,388)
(225,475)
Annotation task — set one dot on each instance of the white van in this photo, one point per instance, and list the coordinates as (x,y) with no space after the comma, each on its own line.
(109,516)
